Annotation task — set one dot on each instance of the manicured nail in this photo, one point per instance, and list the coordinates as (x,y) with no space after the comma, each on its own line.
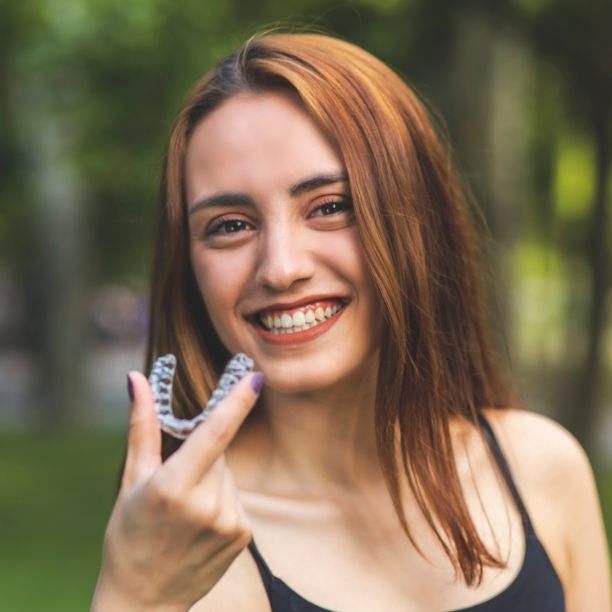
(130,388)
(257,382)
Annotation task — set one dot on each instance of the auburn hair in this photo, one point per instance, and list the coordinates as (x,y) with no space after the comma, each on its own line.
(417,231)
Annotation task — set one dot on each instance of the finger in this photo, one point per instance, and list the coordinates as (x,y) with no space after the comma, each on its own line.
(206,444)
(144,436)
(220,504)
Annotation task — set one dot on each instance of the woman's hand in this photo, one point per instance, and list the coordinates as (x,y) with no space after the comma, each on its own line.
(176,527)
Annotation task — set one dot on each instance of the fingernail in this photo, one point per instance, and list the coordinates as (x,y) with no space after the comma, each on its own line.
(130,388)
(257,382)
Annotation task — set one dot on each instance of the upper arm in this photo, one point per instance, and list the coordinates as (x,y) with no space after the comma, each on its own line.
(588,583)
(556,482)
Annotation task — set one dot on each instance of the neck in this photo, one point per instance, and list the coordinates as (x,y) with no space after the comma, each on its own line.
(311,443)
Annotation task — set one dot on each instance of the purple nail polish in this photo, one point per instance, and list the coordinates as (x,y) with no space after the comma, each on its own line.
(257,382)
(130,388)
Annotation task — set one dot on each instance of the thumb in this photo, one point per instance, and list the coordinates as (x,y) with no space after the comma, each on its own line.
(144,436)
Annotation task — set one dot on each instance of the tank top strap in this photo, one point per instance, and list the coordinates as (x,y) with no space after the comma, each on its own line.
(264,571)
(504,468)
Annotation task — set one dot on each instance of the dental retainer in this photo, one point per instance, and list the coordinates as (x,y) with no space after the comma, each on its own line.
(161,378)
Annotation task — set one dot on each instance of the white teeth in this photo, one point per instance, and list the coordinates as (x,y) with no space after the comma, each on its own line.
(299,321)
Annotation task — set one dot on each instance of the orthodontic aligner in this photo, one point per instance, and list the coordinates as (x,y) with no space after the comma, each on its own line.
(161,378)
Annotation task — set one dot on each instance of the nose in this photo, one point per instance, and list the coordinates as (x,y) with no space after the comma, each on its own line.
(284,258)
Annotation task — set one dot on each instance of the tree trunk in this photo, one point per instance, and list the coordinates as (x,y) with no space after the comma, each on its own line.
(55,280)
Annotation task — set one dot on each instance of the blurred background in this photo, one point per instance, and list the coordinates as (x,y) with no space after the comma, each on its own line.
(88,92)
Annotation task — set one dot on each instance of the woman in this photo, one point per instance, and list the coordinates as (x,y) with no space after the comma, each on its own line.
(310,218)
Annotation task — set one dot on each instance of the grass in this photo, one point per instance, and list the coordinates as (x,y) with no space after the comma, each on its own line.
(57,492)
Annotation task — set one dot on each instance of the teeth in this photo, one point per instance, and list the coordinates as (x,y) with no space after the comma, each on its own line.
(299,321)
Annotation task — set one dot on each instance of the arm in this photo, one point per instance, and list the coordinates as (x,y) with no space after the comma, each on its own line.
(588,583)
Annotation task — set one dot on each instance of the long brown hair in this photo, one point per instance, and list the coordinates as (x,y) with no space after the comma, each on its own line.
(417,234)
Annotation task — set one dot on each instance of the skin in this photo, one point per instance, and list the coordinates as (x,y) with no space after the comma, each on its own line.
(303,466)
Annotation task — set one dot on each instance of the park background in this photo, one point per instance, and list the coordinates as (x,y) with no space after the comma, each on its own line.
(88,92)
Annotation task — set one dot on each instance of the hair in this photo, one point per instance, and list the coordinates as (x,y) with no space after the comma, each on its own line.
(418,235)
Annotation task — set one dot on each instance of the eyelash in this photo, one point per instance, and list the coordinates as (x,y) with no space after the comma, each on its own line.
(214,229)
(343,205)
(346,205)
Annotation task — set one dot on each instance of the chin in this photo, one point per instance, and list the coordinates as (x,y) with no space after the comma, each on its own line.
(302,377)
(298,385)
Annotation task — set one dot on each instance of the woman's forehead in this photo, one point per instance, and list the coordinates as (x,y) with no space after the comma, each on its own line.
(257,142)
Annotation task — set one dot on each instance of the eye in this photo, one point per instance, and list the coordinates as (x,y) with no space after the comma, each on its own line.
(332,206)
(224,226)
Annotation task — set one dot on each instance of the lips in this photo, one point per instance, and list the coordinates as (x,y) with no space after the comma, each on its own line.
(298,322)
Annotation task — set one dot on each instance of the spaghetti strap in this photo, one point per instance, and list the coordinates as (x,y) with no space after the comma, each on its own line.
(504,468)
(262,566)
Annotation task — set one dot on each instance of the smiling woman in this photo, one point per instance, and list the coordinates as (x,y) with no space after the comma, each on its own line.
(273,240)
(311,219)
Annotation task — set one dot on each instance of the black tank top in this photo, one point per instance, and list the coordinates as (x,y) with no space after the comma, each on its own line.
(536,588)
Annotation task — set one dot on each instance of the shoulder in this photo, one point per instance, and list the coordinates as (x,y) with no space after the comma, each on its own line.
(545,451)
(555,480)
(548,464)
(550,469)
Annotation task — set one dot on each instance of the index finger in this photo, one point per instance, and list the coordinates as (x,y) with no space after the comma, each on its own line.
(143,453)
(210,439)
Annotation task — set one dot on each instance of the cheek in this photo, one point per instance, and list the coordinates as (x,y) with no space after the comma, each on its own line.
(353,265)
(220,279)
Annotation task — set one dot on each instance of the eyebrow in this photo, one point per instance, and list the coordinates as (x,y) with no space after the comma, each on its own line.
(242,199)
(314,182)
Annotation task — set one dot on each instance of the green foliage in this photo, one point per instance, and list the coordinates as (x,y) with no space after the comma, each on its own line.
(539,304)
(573,188)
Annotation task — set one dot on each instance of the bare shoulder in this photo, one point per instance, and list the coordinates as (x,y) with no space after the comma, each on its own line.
(555,480)
(540,446)
(548,464)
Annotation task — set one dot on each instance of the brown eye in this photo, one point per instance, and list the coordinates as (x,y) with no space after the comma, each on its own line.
(228,226)
(332,207)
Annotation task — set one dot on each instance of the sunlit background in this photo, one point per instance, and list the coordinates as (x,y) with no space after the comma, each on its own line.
(88,92)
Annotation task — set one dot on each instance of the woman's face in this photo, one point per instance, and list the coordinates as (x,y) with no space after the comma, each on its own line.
(274,246)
